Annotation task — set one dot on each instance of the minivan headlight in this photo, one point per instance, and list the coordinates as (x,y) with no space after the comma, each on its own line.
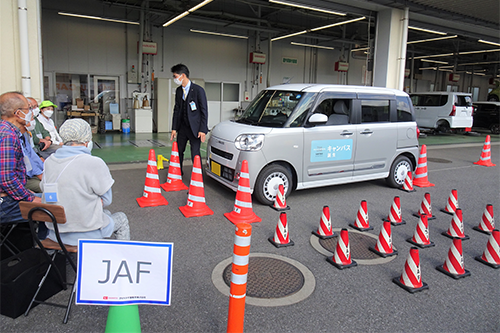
(249,142)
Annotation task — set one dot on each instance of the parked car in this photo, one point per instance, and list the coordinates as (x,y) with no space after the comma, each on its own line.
(310,135)
(494,95)
(487,115)
(443,111)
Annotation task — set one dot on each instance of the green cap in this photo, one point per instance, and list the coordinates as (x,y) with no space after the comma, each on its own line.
(45,104)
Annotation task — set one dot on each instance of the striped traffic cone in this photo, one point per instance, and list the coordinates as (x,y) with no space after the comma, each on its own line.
(280,201)
(242,211)
(425,207)
(281,236)
(456,228)
(411,278)
(151,196)
(491,255)
(395,213)
(362,223)
(384,243)
(342,256)
(421,179)
(454,263)
(408,185)
(452,204)
(487,223)
(421,236)
(485,159)
(325,230)
(174,178)
(196,205)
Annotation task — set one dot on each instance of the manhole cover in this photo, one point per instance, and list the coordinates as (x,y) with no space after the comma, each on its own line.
(269,278)
(438,160)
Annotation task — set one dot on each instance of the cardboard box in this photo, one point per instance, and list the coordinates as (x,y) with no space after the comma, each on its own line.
(79,103)
(86,107)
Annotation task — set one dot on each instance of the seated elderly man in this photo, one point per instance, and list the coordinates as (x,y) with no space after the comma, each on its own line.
(81,183)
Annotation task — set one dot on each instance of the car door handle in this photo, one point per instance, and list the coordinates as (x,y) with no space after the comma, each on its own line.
(346,133)
(366,131)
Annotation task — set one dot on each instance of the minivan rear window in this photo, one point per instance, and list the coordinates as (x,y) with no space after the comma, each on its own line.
(429,100)
(463,100)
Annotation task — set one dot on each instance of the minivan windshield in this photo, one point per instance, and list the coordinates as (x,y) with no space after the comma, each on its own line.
(271,108)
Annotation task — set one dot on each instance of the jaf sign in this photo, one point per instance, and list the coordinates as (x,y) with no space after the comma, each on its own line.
(112,272)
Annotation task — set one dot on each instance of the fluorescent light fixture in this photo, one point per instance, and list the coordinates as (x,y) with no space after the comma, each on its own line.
(436,68)
(487,42)
(187,12)
(434,56)
(338,23)
(479,63)
(217,34)
(290,35)
(432,39)
(435,61)
(98,18)
(482,51)
(360,49)
(293,4)
(427,30)
(316,46)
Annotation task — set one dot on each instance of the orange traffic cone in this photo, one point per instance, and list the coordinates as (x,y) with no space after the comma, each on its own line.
(421,236)
(325,230)
(411,278)
(342,256)
(425,208)
(151,196)
(280,201)
(454,263)
(421,179)
(174,178)
(408,185)
(487,223)
(456,228)
(281,235)
(362,222)
(491,255)
(485,159)
(384,243)
(196,205)
(452,204)
(242,211)
(395,213)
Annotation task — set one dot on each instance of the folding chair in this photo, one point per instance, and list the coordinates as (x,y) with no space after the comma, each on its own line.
(48,213)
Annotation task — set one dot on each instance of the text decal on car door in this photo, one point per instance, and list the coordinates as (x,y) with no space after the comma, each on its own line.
(331,150)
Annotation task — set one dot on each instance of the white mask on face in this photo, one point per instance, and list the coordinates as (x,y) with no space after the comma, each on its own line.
(36,111)
(90,145)
(31,126)
(27,117)
(178,81)
(48,113)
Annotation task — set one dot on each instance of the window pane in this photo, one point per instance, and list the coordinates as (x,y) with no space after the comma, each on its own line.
(374,111)
(231,92)
(337,110)
(213,91)
(403,109)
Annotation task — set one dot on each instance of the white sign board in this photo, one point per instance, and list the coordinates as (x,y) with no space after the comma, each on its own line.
(112,272)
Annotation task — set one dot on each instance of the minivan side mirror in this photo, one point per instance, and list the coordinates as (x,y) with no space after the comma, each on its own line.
(317,119)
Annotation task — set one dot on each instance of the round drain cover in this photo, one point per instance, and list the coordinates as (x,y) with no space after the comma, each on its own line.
(358,243)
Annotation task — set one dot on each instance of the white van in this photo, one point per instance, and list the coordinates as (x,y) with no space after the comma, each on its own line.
(443,111)
(311,135)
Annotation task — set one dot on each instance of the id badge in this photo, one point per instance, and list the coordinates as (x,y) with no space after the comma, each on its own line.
(27,163)
(50,192)
(193,106)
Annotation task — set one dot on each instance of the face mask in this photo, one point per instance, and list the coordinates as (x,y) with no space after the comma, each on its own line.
(27,117)
(48,113)
(36,112)
(90,145)
(178,81)
(31,125)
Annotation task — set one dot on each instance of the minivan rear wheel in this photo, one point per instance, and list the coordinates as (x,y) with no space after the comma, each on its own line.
(495,129)
(268,181)
(399,168)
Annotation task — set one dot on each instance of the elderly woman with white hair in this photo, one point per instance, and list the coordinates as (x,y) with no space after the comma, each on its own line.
(81,183)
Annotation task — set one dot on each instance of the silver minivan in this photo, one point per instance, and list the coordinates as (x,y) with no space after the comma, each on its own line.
(312,135)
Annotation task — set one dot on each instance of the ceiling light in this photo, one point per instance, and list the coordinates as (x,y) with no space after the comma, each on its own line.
(217,33)
(293,4)
(435,61)
(427,30)
(98,18)
(290,35)
(431,39)
(338,23)
(187,12)
(360,49)
(482,51)
(316,46)
(487,42)
(434,56)
(479,63)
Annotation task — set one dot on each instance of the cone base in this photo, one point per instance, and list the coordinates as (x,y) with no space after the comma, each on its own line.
(432,217)
(323,236)
(478,258)
(409,191)
(174,186)
(481,230)
(280,209)
(360,229)
(395,223)
(145,202)
(447,212)
(486,164)
(445,233)
(123,319)
(423,184)
(340,266)
(382,254)
(455,276)
(423,246)
(410,289)
(195,212)
(278,245)
(236,218)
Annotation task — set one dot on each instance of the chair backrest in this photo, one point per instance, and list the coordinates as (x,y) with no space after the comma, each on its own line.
(38,215)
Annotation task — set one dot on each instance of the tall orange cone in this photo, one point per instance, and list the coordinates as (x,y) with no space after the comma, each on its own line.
(325,230)
(421,179)
(456,228)
(452,203)
(485,159)
(454,263)
(196,205)
(242,211)
(384,243)
(362,222)
(395,213)
(408,185)
(411,278)
(487,223)
(342,256)
(151,196)
(280,201)
(491,255)
(281,235)
(174,178)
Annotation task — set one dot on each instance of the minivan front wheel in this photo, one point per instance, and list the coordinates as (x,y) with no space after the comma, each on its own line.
(268,181)
(399,168)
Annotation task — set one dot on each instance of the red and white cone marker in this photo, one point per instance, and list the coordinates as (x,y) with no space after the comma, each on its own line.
(421,236)
(395,213)
(384,243)
(411,278)
(325,230)
(362,222)
(174,178)
(456,228)
(485,159)
(452,203)
(421,179)
(196,205)
(487,223)
(342,256)
(280,201)
(151,197)
(408,185)
(491,255)
(425,207)
(281,236)
(454,263)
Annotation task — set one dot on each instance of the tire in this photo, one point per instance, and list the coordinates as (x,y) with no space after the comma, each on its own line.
(443,127)
(399,169)
(268,181)
(492,98)
(495,129)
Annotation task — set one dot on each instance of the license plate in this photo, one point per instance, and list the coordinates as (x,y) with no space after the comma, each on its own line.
(215,168)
